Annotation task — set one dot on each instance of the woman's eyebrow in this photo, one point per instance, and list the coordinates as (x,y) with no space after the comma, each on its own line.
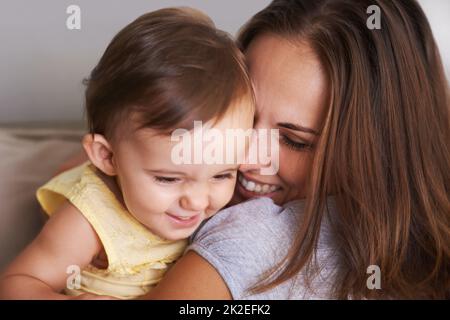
(297,127)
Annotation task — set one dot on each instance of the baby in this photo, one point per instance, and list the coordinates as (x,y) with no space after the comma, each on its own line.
(120,220)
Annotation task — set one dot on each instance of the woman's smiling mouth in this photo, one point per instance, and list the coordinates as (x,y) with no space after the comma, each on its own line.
(254,188)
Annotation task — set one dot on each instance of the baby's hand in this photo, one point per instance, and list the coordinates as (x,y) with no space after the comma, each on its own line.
(91,296)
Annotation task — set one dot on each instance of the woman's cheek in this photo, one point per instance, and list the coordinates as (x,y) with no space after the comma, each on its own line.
(294,168)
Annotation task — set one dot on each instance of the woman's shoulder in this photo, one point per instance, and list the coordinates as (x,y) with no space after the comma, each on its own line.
(258,218)
(244,241)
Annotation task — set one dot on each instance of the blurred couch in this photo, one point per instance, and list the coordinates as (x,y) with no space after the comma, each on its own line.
(29,156)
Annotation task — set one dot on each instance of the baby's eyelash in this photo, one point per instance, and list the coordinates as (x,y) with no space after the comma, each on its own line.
(296,146)
(167,180)
(223,176)
(172,180)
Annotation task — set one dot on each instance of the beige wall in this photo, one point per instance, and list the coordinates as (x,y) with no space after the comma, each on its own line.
(42,63)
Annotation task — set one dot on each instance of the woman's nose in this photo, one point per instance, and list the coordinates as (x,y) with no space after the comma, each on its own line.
(259,155)
(250,167)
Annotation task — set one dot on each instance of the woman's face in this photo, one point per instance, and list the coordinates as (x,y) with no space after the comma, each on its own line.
(290,89)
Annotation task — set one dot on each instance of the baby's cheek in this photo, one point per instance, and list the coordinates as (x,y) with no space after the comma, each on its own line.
(223,196)
(156,200)
(142,199)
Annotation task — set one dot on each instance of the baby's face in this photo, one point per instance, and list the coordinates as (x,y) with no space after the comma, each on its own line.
(171,199)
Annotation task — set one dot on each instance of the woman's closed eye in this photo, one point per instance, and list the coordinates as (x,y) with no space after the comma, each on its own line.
(295,145)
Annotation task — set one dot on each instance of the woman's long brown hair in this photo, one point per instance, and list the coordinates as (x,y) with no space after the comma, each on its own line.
(384,149)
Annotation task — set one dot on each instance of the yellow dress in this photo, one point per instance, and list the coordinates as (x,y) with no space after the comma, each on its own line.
(137,258)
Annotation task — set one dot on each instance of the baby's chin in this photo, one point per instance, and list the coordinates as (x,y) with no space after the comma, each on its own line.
(173,236)
(171,233)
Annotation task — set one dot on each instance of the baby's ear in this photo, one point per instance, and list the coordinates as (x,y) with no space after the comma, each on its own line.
(99,152)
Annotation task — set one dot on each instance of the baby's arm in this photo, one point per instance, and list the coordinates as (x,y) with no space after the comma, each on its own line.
(191,278)
(39,272)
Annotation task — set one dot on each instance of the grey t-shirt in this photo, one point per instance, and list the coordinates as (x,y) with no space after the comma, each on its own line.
(245,240)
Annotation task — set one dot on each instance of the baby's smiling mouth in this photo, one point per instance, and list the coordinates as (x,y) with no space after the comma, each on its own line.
(184,221)
(256,187)
(182,217)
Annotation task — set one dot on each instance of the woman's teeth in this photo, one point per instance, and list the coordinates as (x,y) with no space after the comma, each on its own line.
(257,187)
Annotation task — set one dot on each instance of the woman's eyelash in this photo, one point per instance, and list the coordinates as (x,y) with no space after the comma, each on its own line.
(296,146)
(166,179)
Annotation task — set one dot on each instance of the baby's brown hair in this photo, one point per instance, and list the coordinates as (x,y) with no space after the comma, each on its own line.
(164,70)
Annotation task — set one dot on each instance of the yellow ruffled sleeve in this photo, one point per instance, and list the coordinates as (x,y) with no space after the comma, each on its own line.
(60,188)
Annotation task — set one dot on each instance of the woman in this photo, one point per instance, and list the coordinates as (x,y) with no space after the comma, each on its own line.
(364,174)
(363,116)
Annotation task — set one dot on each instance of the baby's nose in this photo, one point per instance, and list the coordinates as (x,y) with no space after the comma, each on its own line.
(198,202)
